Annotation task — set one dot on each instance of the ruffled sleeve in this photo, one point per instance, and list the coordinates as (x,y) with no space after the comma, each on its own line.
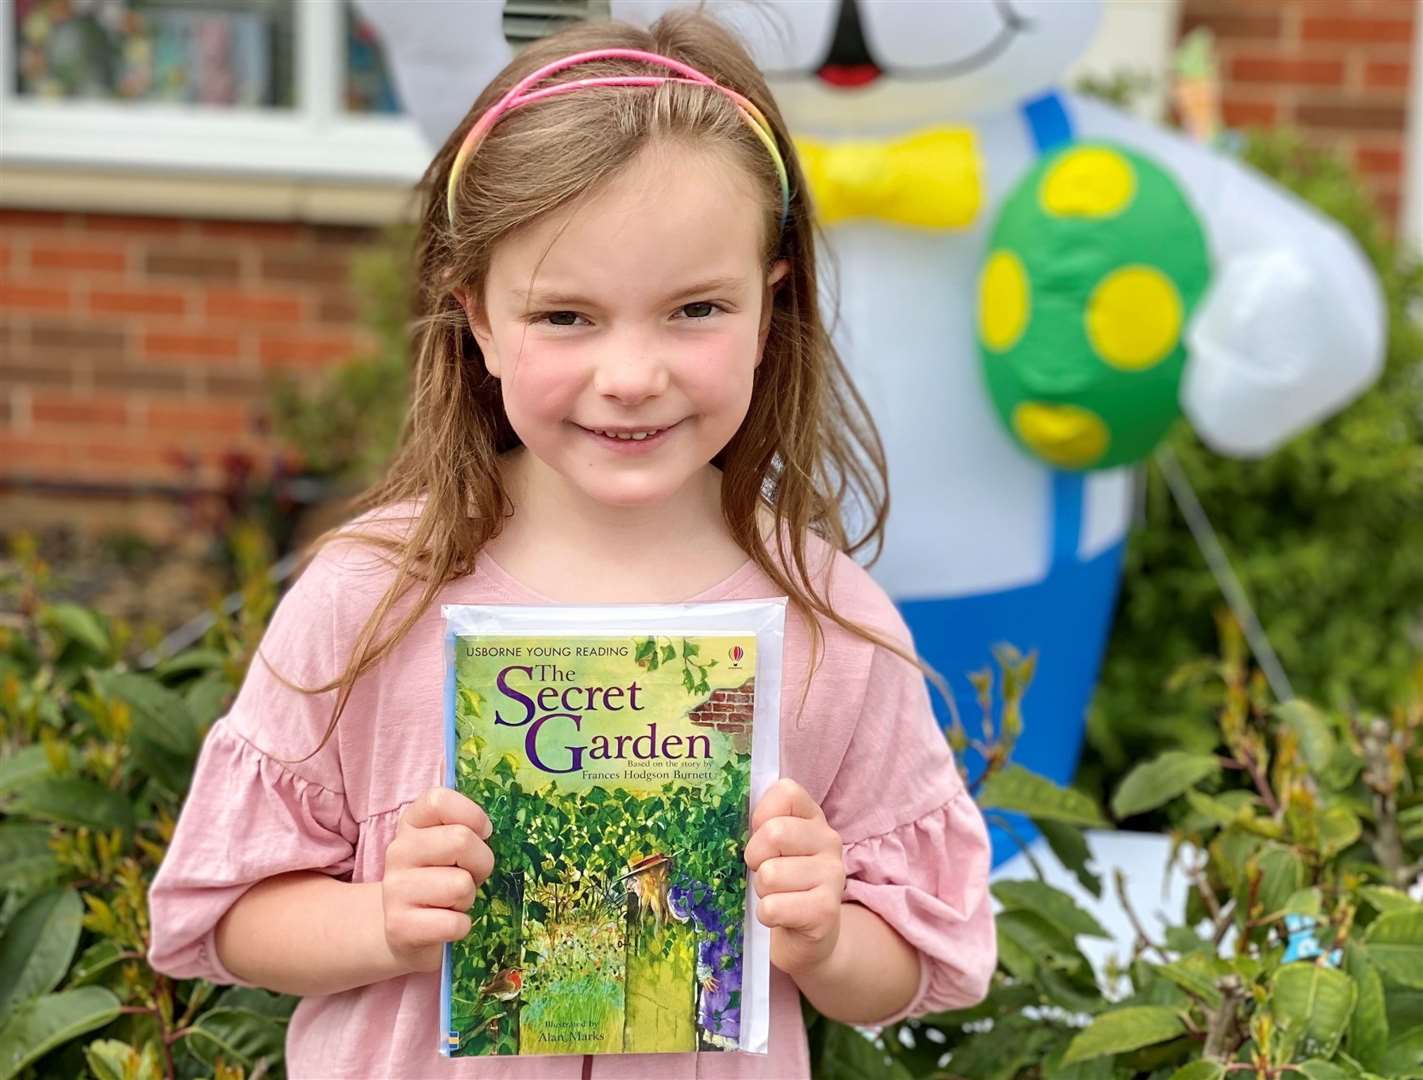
(916,849)
(248,815)
(929,880)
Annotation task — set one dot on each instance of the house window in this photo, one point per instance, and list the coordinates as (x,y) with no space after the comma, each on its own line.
(236,54)
(279,88)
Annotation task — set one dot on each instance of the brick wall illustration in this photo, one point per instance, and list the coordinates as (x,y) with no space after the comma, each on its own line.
(730,711)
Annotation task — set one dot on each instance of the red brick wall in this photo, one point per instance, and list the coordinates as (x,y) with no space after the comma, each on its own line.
(731,711)
(125,341)
(1336,69)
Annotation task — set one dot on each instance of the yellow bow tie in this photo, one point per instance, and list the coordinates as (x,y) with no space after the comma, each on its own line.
(932,179)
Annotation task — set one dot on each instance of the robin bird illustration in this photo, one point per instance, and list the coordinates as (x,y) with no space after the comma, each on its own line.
(505,986)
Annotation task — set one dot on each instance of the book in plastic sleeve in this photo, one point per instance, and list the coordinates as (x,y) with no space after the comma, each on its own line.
(617,750)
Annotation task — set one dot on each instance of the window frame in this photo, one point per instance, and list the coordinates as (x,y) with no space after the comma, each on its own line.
(315,139)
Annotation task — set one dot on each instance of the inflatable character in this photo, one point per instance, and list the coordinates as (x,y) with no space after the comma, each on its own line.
(1032,286)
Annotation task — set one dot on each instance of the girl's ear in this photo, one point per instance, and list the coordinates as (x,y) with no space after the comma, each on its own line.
(478,321)
(774,277)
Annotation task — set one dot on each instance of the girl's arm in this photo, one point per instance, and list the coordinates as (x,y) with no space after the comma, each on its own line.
(307,933)
(872,972)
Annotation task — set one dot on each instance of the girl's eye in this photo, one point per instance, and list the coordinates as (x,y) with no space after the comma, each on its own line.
(699,310)
(562,318)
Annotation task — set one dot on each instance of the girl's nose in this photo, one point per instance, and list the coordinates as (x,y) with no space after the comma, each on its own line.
(631,371)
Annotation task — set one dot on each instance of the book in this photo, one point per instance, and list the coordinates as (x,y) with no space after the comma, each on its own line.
(616,767)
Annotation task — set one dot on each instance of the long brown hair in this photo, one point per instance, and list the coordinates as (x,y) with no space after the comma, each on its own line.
(807,446)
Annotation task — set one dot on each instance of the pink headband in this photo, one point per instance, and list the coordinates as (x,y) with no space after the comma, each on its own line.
(522,95)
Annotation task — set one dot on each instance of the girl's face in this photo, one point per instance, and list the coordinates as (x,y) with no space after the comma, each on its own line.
(625,331)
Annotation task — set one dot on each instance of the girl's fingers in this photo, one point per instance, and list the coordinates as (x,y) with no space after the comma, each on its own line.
(785,874)
(423,926)
(447,845)
(446,806)
(785,798)
(790,836)
(445,887)
(812,912)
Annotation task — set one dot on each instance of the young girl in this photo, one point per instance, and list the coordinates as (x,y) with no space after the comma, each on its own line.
(622,392)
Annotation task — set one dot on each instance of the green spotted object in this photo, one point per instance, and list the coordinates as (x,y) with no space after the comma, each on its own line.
(1093,269)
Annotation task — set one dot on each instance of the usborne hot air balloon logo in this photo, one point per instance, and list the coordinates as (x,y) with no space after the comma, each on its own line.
(736,653)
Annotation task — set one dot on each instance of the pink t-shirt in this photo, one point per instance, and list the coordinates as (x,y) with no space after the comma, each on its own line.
(866,747)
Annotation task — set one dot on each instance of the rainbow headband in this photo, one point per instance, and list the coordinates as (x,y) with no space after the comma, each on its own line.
(521,94)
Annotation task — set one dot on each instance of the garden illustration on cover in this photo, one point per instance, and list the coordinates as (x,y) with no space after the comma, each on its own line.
(616,776)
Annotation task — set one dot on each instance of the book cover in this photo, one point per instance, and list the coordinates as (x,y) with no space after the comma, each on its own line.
(616,773)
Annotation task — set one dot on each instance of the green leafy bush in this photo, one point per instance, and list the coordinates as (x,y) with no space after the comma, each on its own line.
(1299,952)
(1326,534)
(96,760)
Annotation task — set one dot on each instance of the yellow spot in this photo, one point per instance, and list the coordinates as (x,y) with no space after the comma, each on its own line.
(1066,435)
(1002,301)
(1134,317)
(1088,182)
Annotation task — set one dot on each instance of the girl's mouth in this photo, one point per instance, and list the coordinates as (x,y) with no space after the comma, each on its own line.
(630,441)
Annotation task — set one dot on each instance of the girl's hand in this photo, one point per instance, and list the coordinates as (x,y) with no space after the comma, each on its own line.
(433,870)
(799,866)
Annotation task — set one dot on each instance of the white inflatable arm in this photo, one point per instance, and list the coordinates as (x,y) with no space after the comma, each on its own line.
(442,54)
(1292,327)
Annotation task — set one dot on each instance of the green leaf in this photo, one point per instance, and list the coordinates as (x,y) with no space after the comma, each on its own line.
(1395,943)
(26,861)
(237,1035)
(93,962)
(1368,1027)
(1323,1070)
(1071,849)
(39,1025)
(1403,1056)
(1125,1029)
(75,624)
(1199,1070)
(254,1000)
(1222,810)
(1015,788)
(1387,898)
(207,698)
(1035,934)
(1092,1069)
(23,767)
(38,945)
(1076,991)
(1012,1042)
(1052,904)
(1305,902)
(1015,959)
(190,662)
(1316,1001)
(110,1059)
(160,715)
(1281,875)
(847,1054)
(1156,782)
(1316,740)
(1197,974)
(1339,827)
(71,801)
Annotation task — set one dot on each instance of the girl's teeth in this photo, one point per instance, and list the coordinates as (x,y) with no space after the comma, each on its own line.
(636,435)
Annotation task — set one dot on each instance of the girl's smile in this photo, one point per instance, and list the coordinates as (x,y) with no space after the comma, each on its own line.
(637,440)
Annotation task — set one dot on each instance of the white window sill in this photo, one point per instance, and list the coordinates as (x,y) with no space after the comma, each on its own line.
(169,194)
